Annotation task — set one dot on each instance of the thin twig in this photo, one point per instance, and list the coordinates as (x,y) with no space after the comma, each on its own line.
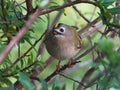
(97,77)
(86,52)
(88,33)
(89,25)
(69,4)
(79,12)
(55,20)
(93,13)
(29,6)
(72,79)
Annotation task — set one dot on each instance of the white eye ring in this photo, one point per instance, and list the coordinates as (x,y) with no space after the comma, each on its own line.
(62,30)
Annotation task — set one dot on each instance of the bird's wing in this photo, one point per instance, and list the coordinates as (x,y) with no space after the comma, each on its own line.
(78,40)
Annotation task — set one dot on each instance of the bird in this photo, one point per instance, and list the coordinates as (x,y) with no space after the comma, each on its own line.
(63,42)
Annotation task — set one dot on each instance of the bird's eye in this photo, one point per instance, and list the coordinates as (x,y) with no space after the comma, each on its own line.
(62,30)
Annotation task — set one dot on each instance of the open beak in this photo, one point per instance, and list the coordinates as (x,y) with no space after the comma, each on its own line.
(56,32)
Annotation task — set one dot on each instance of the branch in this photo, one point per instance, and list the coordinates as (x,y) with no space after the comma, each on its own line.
(16,39)
(79,12)
(96,28)
(29,6)
(19,58)
(72,79)
(89,25)
(70,4)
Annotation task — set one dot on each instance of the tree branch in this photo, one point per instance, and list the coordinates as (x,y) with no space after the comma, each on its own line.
(16,39)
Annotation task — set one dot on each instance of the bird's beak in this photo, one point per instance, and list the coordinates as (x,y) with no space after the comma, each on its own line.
(56,32)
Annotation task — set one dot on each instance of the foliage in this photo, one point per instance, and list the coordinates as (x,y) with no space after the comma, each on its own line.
(25,80)
(110,63)
(27,64)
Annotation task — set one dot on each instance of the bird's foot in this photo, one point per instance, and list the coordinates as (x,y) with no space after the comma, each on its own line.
(70,63)
(58,67)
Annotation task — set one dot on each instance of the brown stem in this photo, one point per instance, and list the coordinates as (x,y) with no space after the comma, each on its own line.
(69,4)
(29,5)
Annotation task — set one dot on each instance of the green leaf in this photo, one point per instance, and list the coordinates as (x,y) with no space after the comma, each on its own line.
(55,6)
(44,85)
(62,10)
(2,46)
(103,83)
(106,46)
(52,7)
(56,85)
(26,82)
(106,3)
(6,88)
(5,81)
(115,10)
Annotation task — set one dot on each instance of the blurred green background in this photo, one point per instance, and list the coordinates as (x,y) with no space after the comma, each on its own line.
(70,17)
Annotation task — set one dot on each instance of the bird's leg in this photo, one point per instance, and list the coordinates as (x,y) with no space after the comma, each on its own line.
(70,62)
(58,66)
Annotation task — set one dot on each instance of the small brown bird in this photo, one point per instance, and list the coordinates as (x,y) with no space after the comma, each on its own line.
(63,42)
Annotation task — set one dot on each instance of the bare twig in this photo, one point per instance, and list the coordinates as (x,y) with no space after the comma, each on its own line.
(79,12)
(29,6)
(72,79)
(55,20)
(86,52)
(81,15)
(89,25)
(96,28)
(93,13)
(87,76)
(97,77)
(70,4)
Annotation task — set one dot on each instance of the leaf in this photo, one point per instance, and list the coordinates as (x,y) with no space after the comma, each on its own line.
(55,6)
(44,85)
(115,10)
(26,82)
(6,88)
(106,3)
(5,81)
(62,10)
(54,3)
(27,37)
(106,46)
(103,83)
(2,46)
(56,85)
